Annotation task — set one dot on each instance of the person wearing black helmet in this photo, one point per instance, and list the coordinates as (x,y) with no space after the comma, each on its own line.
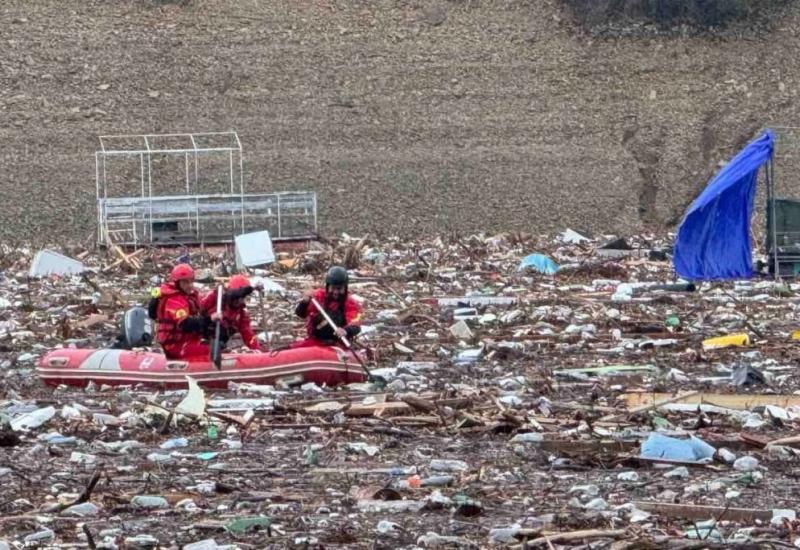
(343,310)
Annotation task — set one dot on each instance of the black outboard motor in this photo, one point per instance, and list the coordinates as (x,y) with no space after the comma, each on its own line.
(137,329)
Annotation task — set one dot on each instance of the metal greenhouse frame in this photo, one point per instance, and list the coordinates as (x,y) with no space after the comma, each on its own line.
(139,213)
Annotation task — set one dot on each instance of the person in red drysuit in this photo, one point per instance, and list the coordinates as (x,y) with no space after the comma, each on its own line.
(235,317)
(182,326)
(343,310)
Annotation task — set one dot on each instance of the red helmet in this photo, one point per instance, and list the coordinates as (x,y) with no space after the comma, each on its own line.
(237,282)
(181,272)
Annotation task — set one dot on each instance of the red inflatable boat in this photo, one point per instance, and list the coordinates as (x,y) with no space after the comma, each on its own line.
(322,365)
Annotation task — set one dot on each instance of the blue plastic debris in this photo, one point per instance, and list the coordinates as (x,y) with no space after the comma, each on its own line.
(671,448)
(207,456)
(538,262)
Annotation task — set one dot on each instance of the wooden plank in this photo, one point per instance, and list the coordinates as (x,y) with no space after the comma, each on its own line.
(128,259)
(740,402)
(585,534)
(655,404)
(586,447)
(680,398)
(607,369)
(391,407)
(698,512)
(610,445)
(687,463)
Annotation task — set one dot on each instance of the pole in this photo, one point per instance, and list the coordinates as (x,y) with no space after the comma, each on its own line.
(216,347)
(344,339)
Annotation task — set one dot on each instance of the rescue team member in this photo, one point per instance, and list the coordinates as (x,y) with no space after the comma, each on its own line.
(182,324)
(343,310)
(235,317)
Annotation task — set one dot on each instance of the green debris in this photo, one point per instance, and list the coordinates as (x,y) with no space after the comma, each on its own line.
(243,526)
(672,321)
(207,455)
(212,432)
(311,455)
(659,422)
(466,506)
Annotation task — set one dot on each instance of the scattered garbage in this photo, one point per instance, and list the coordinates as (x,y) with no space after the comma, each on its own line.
(726,456)
(40,537)
(461,330)
(242,526)
(539,263)
(441,465)
(662,446)
(253,249)
(721,342)
(149,502)
(589,382)
(628,476)
(529,437)
(207,544)
(33,420)
(194,404)
(572,237)
(48,262)
(747,375)
(745,464)
(83,510)
(782,516)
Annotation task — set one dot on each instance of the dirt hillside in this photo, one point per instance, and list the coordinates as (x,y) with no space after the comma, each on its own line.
(405,116)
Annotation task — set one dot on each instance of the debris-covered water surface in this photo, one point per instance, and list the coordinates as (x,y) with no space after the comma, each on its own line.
(548,392)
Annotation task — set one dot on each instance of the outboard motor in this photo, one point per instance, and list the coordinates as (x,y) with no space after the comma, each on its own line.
(137,329)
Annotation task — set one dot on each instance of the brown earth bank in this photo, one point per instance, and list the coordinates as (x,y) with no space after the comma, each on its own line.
(405,116)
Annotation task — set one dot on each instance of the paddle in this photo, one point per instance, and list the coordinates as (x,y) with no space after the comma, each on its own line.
(376,379)
(216,347)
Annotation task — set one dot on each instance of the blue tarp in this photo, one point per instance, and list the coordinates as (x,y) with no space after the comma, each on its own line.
(714,237)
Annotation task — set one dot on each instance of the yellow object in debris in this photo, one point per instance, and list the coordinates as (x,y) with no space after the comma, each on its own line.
(796,335)
(731,340)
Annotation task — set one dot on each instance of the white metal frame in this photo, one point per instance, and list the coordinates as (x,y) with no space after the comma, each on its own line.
(194,145)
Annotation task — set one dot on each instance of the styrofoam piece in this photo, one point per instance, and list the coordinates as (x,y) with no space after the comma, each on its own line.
(254,249)
(47,262)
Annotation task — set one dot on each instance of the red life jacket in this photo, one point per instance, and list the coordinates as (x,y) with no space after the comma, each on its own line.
(173,307)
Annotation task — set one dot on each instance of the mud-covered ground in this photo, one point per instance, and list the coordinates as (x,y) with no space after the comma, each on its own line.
(424,118)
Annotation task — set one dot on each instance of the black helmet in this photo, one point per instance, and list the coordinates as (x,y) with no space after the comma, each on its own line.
(337,276)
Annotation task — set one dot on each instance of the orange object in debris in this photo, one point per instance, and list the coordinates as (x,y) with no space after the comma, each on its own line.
(415,482)
(731,340)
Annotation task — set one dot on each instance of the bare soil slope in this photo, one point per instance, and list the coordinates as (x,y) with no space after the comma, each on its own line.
(405,116)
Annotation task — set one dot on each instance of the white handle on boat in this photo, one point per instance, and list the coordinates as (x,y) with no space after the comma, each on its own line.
(328,319)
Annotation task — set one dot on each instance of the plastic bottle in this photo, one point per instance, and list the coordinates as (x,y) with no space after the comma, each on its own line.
(175,443)
(212,431)
(414,482)
(437,481)
(144,501)
(443,465)
(672,321)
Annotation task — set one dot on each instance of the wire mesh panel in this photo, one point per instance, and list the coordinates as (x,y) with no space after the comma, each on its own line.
(781,217)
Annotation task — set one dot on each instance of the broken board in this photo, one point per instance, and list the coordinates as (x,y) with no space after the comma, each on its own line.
(740,402)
